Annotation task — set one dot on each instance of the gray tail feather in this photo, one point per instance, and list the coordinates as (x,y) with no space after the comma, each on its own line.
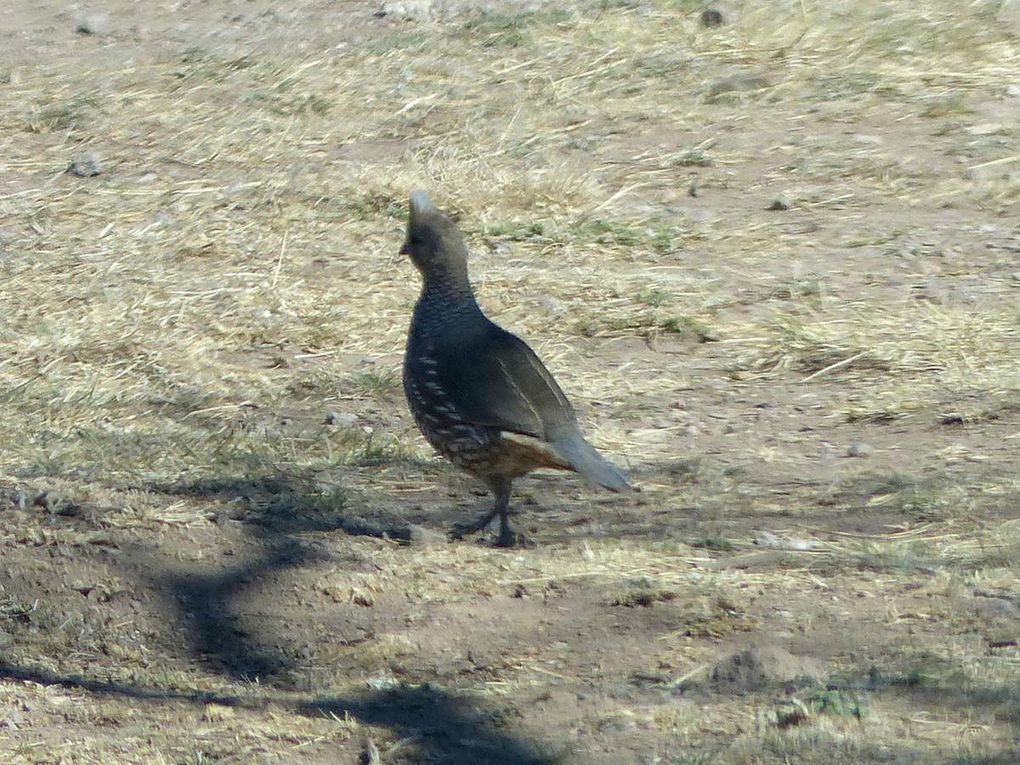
(585,460)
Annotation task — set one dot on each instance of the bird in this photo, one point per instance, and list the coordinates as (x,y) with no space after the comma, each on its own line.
(478,393)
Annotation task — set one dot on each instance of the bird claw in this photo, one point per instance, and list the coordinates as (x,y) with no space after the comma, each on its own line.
(507,537)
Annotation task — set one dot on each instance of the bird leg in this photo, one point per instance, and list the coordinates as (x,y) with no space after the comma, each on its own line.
(507,538)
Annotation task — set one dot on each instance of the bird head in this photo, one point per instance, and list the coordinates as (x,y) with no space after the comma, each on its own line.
(433,242)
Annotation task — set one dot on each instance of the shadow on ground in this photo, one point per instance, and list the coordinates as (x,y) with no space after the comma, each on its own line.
(443,728)
(277,514)
(433,726)
(279,522)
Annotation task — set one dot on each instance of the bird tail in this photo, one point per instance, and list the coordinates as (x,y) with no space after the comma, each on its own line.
(583,458)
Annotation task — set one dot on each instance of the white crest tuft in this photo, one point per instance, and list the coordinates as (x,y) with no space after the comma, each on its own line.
(421,204)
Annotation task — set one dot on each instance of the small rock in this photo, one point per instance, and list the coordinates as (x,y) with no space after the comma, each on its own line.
(782,202)
(859,450)
(341,419)
(738,84)
(712,17)
(868,140)
(770,540)
(384,681)
(419,536)
(985,128)
(408,10)
(92,24)
(86,165)
(551,305)
(1013,91)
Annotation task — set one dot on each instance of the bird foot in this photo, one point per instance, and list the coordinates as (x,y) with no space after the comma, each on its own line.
(507,536)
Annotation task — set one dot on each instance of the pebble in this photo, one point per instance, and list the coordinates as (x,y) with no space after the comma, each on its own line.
(859,450)
(92,24)
(772,541)
(868,140)
(420,536)
(86,165)
(782,202)
(408,10)
(712,17)
(985,128)
(740,83)
(341,419)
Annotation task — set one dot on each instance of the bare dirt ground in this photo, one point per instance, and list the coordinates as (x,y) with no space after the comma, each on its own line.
(775,263)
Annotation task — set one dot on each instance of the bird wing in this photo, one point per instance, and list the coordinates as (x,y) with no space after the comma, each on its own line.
(493,378)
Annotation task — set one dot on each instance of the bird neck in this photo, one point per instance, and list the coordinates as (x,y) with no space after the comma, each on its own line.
(444,303)
(448,284)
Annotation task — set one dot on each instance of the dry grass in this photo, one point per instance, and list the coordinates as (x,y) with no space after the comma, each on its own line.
(177,330)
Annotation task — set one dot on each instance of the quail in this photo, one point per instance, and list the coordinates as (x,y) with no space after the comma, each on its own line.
(479,394)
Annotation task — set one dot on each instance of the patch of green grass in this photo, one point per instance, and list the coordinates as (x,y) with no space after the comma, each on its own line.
(715,543)
(607,232)
(515,231)
(69,114)
(201,64)
(836,703)
(299,104)
(374,451)
(655,298)
(17,612)
(946,104)
(404,42)
(371,205)
(374,383)
(694,156)
(511,30)
(643,595)
(688,325)
(696,758)
(799,289)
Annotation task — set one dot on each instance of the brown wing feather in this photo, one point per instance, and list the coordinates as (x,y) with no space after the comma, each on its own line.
(494,379)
